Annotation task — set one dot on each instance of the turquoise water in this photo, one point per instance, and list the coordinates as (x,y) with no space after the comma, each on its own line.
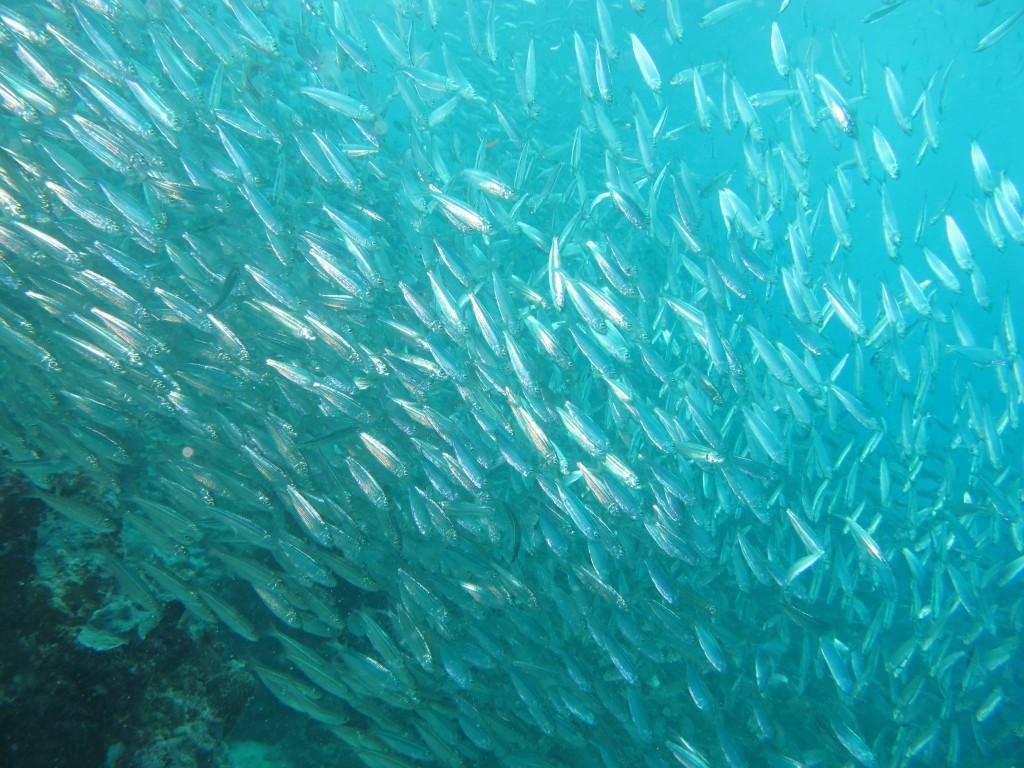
(511,383)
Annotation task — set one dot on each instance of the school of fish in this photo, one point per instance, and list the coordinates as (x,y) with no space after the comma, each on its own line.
(533,384)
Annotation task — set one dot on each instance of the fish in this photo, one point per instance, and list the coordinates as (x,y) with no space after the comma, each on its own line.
(885,153)
(780,55)
(648,69)
(722,12)
(998,32)
(897,101)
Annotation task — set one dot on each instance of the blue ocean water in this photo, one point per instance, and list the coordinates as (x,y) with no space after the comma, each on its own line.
(511,383)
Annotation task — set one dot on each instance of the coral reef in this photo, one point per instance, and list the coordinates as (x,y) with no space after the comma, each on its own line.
(161,702)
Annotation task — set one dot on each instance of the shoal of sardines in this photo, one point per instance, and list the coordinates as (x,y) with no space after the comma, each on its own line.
(536,383)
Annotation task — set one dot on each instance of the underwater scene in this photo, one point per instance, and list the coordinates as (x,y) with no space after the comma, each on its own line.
(511,383)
